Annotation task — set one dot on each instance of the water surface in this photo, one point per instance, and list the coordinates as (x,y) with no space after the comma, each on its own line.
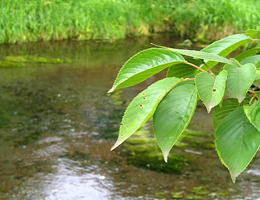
(57,125)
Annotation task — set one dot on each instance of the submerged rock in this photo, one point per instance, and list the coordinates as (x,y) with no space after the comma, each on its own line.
(198,140)
(200,190)
(155,161)
(6,64)
(143,151)
(186,43)
(34,59)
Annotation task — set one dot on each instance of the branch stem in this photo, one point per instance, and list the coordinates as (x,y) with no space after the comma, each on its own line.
(253,92)
(209,69)
(251,100)
(191,64)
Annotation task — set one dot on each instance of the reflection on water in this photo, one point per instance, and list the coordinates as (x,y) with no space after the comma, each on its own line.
(57,125)
(70,180)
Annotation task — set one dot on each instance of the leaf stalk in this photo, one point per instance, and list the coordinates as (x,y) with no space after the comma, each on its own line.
(209,70)
(191,64)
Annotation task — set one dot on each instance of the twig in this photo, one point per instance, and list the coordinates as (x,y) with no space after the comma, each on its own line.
(209,69)
(251,91)
(251,100)
(191,64)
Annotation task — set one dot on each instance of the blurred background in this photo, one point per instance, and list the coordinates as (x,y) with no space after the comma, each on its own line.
(200,20)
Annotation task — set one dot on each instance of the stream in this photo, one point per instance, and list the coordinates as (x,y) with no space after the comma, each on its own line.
(57,125)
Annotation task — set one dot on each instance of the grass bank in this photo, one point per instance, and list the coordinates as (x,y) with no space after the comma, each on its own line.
(43,20)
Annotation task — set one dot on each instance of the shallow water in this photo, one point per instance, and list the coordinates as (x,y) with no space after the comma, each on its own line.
(57,125)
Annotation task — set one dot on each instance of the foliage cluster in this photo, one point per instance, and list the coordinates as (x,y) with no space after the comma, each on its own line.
(172,101)
(23,21)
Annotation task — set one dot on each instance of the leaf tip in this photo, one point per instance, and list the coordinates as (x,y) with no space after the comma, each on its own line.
(115,145)
(165,156)
(112,148)
(233,177)
(111,90)
(240,99)
(209,108)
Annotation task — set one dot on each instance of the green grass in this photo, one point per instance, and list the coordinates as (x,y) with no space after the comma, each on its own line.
(213,19)
(43,20)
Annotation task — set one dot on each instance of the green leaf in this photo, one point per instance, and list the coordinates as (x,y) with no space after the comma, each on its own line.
(142,107)
(257,75)
(220,112)
(145,64)
(225,46)
(252,59)
(258,95)
(235,62)
(211,89)
(202,55)
(237,142)
(253,114)
(172,116)
(239,80)
(247,53)
(182,69)
(252,33)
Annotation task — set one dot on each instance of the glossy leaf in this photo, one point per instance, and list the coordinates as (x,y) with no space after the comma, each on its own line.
(237,142)
(202,55)
(257,75)
(252,33)
(247,53)
(145,64)
(211,89)
(225,46)
(239,80)
(252,59)
(182,69)
(258,95)
(172,116)
(235,62)
(253,114)
(220,112)
(143,107)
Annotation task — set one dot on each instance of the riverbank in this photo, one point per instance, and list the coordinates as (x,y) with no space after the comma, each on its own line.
(200,20)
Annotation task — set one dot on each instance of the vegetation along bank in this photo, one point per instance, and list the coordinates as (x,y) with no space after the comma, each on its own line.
(43,20)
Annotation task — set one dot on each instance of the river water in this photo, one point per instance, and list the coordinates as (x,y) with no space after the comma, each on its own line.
(57,125)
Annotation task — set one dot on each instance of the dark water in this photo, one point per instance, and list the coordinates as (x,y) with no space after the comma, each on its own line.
(57,125)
